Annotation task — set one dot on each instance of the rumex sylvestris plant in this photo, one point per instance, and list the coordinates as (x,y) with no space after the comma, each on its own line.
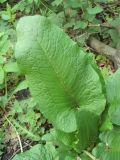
(68,87)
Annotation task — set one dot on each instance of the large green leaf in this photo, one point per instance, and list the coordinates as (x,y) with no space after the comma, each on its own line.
(39,152)
(109,148)
(62,78)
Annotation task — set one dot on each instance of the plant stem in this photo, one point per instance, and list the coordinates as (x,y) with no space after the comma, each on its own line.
(90,155)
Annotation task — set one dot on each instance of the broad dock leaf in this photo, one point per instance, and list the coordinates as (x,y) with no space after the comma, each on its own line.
(62,78)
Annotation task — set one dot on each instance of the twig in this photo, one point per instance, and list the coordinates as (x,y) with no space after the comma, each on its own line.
(90,155)
(108,51)
(19,140)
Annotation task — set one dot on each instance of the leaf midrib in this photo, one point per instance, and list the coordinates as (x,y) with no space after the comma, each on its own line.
(70,97)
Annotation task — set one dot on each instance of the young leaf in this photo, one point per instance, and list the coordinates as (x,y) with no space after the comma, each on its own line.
(81,25)
(95,10)
(62,78)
